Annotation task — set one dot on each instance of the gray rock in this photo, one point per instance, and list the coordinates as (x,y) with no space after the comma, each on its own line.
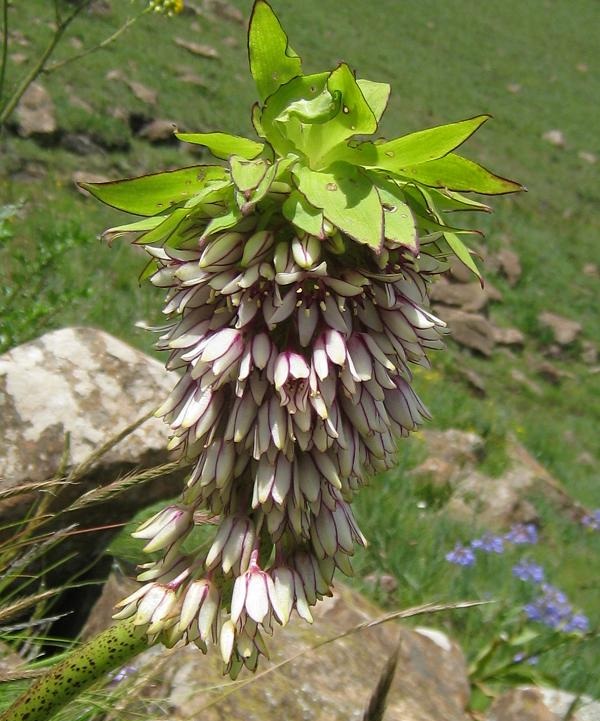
(565,330)
(85,385)
(494,502)
(554,137)
(559,702)
(459,448)
(530,703)
(35,113)
(159,131)
(508,336)
(520,705)
(589,353)
(470,297)
(201,49)
(469,329)
(459,271)
(509,265)
(142,92)
(226,11)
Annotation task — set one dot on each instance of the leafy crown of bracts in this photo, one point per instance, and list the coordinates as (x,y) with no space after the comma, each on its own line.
(310,170)
(297,278)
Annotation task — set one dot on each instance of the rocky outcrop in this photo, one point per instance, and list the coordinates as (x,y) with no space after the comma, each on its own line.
(451,469)
(78,386)
(62,397)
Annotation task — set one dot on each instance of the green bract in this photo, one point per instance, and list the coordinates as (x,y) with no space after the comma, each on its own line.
(312,172)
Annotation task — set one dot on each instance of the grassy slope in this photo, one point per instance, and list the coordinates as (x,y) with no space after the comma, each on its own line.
(445,61)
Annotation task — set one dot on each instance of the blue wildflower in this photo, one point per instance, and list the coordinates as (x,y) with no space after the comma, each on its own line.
(489,543)
(461,555)
(522,534)
(578,623)
(592,520)
(528,571)
(553,609)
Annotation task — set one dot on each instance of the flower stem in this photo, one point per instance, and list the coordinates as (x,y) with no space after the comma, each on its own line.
(79,670)
(38,67)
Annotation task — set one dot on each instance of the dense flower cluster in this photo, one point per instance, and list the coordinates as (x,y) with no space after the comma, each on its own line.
(295,387)
(553,609)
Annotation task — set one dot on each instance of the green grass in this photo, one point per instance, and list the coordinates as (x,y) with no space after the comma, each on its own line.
(445,61)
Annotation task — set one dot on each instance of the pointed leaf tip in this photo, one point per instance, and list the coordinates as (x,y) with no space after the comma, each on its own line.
(272,60)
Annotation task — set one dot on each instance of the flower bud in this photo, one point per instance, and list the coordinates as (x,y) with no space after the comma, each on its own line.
(256,247)
(165,528)
(306,251)
(221,252)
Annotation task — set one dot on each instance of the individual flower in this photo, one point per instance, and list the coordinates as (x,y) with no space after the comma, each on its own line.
(522,534)
(489,544)
(461,556)
(297,281)
(528,571)
(578,623)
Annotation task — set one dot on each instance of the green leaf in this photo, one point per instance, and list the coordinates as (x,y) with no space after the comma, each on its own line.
(152,194)
(272,60)
(348,200)
(222,222)
(247,174)
(461,251)
(448,201)
(212,192)
(288,137)
(355,117)
(163,232)
(320,109)
(137,227)
(377,96)
(251,197)
(398,221)
(413,149)
(457,173)
(149,269)
(426,145)
(223,145)
(303,215)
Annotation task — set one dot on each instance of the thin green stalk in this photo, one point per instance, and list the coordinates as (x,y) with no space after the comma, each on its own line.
(100,46)
(4,46)
(38,67)
(80,669)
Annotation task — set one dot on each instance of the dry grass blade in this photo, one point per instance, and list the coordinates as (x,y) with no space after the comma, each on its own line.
(103,493)
(26,488)
(38,546)
(377,703)
(234,686)
(12,609)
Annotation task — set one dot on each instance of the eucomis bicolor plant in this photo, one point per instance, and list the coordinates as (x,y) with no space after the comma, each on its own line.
(296,273)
